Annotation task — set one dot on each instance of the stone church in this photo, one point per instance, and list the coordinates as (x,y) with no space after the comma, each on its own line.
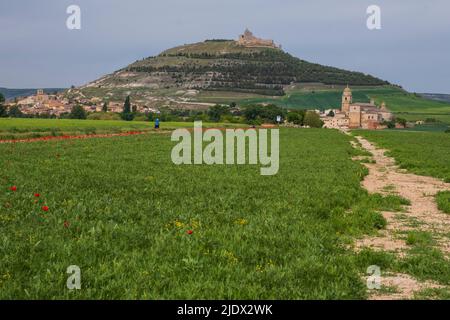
(355,115)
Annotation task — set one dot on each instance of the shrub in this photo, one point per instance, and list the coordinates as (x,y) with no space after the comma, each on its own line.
(312,119)
(294,117)
(217,111)
(78,112)
(15,112)
(103,116)
(140,117)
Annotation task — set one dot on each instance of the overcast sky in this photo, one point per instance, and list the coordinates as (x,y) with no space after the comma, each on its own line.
(37,50)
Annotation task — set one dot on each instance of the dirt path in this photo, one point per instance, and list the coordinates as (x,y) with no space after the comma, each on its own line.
(385,177)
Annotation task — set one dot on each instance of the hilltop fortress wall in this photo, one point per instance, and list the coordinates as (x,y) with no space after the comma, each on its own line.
(249,40)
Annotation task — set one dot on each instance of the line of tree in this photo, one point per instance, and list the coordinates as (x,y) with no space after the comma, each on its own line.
(3,111)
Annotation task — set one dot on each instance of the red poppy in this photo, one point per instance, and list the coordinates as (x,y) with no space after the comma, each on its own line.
(13,188)
(45,208)
(190,232)
(66,224)
(37,195)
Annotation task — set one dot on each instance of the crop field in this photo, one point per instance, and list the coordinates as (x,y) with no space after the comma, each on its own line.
(402,103)
(139,226)
(16,128)
(309,97)
(424,153)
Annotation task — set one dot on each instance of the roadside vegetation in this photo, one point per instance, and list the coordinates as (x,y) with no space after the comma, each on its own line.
(424,153)
(443,201)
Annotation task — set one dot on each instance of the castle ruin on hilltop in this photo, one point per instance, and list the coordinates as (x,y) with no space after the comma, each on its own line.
(249,40)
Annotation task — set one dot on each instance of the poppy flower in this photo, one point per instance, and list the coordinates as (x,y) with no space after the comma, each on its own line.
(37,195)
(13,188)
(45,208)
(66,224)
(190,232)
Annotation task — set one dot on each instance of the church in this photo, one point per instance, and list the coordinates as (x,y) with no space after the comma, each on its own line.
(354,115)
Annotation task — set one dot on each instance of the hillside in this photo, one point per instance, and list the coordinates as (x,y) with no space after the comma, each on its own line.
(223,65)
(436,96)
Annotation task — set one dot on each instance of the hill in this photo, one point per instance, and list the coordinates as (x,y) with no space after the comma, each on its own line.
(224,65)
(222,71)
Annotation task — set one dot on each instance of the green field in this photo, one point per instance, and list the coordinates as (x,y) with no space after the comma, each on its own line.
(402,103)
(120,210)
(302,97)
(16,128)
(129,208)
(424,153)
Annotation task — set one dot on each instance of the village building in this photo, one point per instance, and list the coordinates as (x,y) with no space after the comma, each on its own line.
(355,115)
(42,103)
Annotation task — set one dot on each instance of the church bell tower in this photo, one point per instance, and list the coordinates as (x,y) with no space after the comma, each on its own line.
(346,99)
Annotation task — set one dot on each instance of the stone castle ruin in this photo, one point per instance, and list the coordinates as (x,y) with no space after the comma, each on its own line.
(249,40)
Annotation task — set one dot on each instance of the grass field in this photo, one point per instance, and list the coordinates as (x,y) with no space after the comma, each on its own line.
(424,153)
(120,210)
(15,128)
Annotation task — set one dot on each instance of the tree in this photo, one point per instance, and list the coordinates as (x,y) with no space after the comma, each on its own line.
(3,111)
(78,112)
(15,112)
(296,117)
(293,117)
(217,111)
(127,115)
(105,107)
(390,124)
(330,114)
(312,120)
(266,113)
(401,121)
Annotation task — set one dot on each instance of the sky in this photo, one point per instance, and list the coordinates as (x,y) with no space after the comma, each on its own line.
(37,50)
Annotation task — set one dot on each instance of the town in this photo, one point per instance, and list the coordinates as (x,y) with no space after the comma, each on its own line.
(350,115)
(57,105)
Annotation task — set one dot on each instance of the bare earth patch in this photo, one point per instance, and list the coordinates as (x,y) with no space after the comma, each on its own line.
(385,177)
(402,286)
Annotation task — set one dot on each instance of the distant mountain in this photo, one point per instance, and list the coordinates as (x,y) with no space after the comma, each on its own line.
(436,96)
(225,65)
(14,93)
